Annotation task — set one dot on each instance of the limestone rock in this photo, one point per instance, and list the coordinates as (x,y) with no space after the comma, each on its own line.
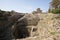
(21,26)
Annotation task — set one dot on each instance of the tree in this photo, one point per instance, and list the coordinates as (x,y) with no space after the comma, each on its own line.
(55,3)
(55,6)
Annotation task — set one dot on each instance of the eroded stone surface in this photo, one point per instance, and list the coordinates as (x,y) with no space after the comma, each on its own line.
(48,28)
(36,26)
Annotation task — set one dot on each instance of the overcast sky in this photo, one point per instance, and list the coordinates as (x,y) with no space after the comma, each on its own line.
(24,5)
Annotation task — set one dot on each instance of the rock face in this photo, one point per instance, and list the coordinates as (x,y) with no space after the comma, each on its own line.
(29,26)
(48,28)
(24,25)
(6,22)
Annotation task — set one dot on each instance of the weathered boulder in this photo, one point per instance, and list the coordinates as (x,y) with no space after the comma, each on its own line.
(31,19)
(21,29)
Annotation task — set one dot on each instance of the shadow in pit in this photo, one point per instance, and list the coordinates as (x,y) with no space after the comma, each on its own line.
(21,30)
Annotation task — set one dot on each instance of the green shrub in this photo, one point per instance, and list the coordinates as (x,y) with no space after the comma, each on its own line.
(56,11)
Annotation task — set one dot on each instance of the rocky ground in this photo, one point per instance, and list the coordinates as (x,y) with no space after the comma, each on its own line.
(48,28)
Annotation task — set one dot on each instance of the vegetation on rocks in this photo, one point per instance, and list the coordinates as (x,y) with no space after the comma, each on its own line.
(54,7)
(55,11)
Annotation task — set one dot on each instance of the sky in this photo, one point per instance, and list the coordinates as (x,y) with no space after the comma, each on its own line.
(25,6)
